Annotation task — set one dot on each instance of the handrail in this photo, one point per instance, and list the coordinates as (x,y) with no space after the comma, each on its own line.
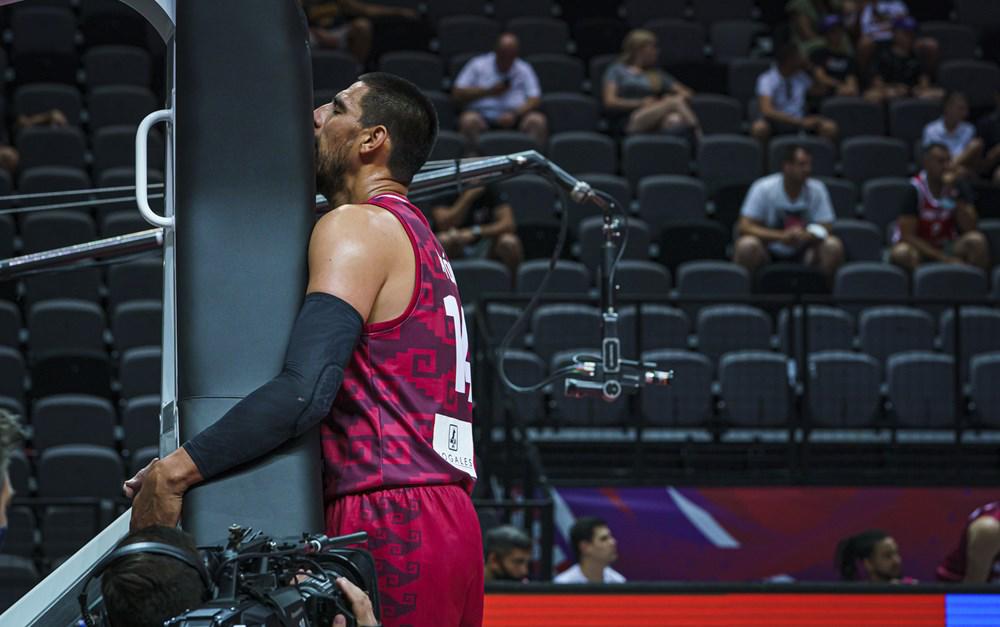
(141,162)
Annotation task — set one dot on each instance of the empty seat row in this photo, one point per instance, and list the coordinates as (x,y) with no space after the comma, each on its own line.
(845,391)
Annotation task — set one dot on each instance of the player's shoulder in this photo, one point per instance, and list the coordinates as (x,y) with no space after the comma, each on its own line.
(356,220)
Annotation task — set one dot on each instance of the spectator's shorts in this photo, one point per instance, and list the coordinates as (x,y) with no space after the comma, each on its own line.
(428,551)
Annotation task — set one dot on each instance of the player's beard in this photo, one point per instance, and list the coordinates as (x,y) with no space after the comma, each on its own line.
(331,173)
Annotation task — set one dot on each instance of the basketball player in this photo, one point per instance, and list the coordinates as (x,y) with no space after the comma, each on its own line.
(379,356)
(976,559)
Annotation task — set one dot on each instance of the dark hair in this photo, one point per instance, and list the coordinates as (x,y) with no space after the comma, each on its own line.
(143,589)
(407,113)
(583,531)
(786,52)
(855,548)
(788,154)
(504,539)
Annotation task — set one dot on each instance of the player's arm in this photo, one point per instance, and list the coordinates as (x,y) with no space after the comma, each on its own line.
(347,267)
(981,549)
(908,233)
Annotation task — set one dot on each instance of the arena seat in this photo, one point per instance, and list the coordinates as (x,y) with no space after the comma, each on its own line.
(44,97)
(539,35)
(137,323)
(557,72)
(526,368)
(679,406)
(73,419)
(844,390)
(117,65)
(648,155)
(139,280)
(480,276)
(717,113)
(887,330)
(867,279)
(119,105)
(564,326)
(64,324)
(584,151)
(139,372)
(866,158)
(829,329)
(909,116)
(52,146)
(423,69)
(725,328)
(843,196)
(854,116)
(862,240)
(663,327)
(568,277)
(667,197)
(141,423)
(979,332)
(754,389)
(920,389)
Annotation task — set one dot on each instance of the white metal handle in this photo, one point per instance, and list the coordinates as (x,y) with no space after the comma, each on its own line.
(141,193)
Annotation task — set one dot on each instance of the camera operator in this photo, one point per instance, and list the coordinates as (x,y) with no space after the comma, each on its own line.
(145,589)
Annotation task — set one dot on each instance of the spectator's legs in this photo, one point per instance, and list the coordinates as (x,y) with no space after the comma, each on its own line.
(508,250)
(750,253)
(359,38)
(830,255)
(974,249)
(450,243)
(9,158)
(905,256)
(682,116)
(760,130)
(866,53)
(470,125)
(928,51)
(970,160)
(536,126)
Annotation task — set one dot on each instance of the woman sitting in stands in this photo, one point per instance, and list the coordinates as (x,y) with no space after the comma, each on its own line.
(644,96)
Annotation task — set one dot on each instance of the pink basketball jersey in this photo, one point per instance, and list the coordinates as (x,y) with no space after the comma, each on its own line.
(953,566)
(403,416)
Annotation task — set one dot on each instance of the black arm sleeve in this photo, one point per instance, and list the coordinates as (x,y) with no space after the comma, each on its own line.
(319,349)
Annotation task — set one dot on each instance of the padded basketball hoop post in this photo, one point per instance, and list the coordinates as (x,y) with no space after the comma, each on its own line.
(244,206)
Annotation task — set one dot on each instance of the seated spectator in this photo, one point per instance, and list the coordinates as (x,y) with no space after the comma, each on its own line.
(954,131)
(988,129)
(834,69)
(876,23)
(500,91)
(976,559)
(347,24)
(479,223)
(651,99)
(898,72)
(596,549)
(781,96)
(10,158)
(508,554)
(941,226)
(873,551)
(787,216)
(806,19)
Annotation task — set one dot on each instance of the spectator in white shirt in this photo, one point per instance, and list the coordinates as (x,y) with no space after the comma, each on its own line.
(596,549)
(499,91)
(955,131)
(781,97)
(787,216)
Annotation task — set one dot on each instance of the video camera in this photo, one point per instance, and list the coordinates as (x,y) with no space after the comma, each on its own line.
(255,580)
(291,581)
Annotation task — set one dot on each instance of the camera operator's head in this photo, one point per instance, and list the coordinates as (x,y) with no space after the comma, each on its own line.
(145,589)
(508,554)
(593,542)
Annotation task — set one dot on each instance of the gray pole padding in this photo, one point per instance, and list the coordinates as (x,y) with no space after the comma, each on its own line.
(244,207)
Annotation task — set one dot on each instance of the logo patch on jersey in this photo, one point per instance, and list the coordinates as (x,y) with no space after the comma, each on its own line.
(453,442)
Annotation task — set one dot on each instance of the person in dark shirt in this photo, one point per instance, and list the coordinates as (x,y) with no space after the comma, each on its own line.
(898,72)
(479,223)
(834,68)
